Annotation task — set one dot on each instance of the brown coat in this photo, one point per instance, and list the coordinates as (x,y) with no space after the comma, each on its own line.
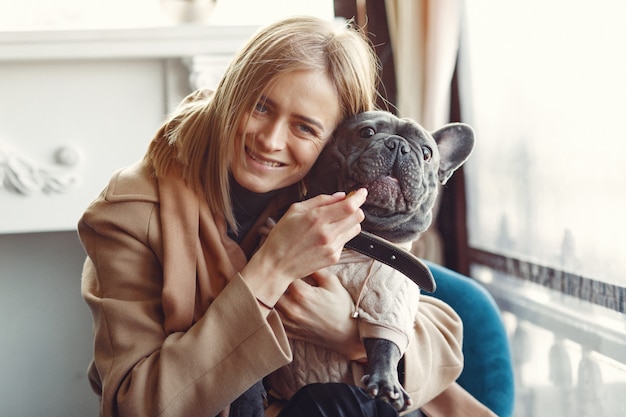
(152,358)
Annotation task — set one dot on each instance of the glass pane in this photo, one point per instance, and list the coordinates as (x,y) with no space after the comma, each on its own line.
(543,85)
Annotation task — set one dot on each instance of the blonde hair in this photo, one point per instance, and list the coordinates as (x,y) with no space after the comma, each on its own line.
(197,141)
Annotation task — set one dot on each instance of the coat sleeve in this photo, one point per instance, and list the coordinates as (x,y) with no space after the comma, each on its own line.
(139,370)
(434,360)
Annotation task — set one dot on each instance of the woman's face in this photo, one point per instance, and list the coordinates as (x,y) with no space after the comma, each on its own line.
(286,131)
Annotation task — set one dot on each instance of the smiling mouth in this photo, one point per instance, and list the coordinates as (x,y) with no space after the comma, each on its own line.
(256,158)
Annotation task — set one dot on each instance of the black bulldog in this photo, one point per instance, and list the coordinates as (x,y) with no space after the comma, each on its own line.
(401,165)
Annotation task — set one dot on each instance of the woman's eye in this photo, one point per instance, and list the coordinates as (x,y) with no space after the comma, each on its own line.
(427,153)
(367,132)
(306,129)
(260,107)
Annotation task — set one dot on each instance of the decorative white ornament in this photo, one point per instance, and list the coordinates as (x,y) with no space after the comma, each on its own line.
(20,176)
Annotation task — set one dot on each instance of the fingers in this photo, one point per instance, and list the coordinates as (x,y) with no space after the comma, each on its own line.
(352,213)
(308,237)
(325,279)
(337,206)
(302,302)
(322,226)
(292,309)
(343,214)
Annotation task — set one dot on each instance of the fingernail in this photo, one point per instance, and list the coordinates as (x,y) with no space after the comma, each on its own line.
(361,190)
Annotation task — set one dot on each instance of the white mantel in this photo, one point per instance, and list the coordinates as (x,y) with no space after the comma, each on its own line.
(76,105)
(149,42)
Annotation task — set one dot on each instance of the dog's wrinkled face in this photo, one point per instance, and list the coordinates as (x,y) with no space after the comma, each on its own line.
(400,164)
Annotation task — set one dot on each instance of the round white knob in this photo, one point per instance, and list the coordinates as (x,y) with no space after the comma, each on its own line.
(67,156)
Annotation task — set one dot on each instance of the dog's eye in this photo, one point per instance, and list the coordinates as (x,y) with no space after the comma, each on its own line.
(427,153)
(367,132)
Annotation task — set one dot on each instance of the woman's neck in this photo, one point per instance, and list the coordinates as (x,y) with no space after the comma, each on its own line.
(247,207)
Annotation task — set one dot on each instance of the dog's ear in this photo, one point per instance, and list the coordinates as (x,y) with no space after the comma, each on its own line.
(455,142)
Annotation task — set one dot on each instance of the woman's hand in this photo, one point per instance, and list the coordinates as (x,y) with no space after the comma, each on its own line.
(309,237)
(321,313)
(311,234)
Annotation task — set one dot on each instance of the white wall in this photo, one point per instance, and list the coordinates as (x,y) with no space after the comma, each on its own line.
(124,13)
(45,342)
(108,107)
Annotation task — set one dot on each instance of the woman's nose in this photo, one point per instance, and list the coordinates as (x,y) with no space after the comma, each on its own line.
(272,137)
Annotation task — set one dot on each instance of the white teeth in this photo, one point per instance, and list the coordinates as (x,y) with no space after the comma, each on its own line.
(263,162)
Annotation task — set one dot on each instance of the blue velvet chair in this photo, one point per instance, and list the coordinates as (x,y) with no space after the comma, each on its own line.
(488,371)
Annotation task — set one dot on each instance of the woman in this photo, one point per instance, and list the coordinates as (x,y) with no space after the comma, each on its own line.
(183,307)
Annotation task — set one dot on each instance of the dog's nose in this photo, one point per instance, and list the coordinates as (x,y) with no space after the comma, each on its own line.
(397,144)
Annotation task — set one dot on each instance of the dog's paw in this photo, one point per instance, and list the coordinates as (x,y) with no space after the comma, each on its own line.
(387,389)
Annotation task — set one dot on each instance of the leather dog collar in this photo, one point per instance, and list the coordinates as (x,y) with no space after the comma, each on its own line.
(397,258)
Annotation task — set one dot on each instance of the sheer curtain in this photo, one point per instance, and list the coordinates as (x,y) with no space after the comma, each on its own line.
(425,40)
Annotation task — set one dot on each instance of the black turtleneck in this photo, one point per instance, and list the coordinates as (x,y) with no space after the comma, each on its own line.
(247,207)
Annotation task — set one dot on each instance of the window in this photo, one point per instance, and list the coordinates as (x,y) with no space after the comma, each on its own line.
(543,85)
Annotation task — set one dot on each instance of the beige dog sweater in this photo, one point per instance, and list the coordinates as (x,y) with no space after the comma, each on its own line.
(386,304)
